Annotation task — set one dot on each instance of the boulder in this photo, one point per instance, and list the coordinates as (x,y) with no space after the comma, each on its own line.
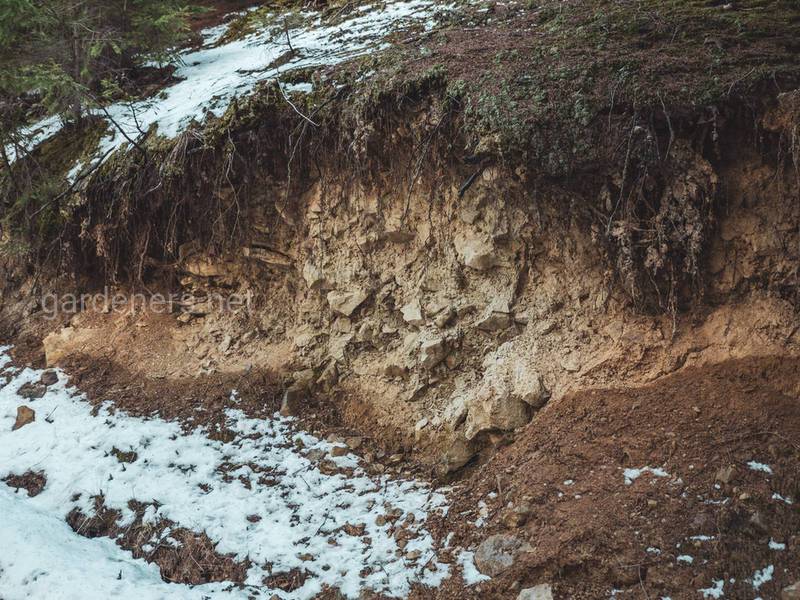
(529,387)
(498,553)
(543,591)
(346,303)
(493,407)
(25,416)
(412,313)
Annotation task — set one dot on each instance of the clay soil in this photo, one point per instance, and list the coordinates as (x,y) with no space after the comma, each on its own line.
(591,532)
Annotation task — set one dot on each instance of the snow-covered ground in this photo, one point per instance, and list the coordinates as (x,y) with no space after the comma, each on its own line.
(304,519)
(211,76)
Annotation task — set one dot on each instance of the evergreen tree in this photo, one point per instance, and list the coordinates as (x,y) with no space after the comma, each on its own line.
(63,55)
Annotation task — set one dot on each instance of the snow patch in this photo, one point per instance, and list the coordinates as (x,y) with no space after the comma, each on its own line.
(206,486)
(762,576)
(469,572)
(761,467)
(632,475)
(716,591)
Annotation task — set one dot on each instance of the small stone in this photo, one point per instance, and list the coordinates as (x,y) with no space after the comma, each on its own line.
(293,401)
(744,497)
(337,451)
(49,377)
(346,303)
(444,318)
(498,553)
(412,313)
(494,321)
(32,391)
(516,515)
(543,591)
(25,416)
(432,352)
(413,555)
(354,443)
(652,503)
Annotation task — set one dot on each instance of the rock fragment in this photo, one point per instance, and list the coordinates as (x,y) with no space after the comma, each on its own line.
(25,416)
(497,553)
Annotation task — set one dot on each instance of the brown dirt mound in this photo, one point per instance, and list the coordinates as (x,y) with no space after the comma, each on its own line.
(591,532)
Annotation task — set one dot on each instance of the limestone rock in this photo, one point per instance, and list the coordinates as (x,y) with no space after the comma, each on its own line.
(477,252)
(25,416)
(493,320)
(432,352)
(543,591)
(204,267)
(529,387)
(457,454)
(315,277)
(498,553)
(346,303)
(412,313)
(493,407)
(444,318)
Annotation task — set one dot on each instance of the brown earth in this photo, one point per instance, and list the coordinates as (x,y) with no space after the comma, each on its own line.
(592,535)
(555,286)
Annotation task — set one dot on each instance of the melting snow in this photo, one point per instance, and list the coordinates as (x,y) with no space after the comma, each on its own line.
(773,545)
(685,558)
(716,591)
(469,571)
(785,499)
(762,576)
(213,75)
(757,466)
(632,475)
(178,476)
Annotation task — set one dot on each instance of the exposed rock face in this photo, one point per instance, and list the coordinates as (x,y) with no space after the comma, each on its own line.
(473,311)
(497,553)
